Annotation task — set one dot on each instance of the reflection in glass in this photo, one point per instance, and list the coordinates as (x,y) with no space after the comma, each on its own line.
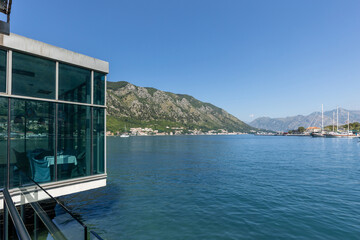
(32,140)
(33,76)
(2,71)
(74,141)
(3,139)
(98,142)
(99,88)
(74,84)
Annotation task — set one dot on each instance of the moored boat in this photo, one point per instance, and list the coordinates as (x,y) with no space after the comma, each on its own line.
(125,135)
(341,135)
(317,134)
(347,134)
(322,133)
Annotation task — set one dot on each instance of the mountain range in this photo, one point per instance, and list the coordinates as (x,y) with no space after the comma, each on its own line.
(133,106)
(311,120)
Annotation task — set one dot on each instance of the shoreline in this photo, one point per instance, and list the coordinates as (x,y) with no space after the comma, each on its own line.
(174,135)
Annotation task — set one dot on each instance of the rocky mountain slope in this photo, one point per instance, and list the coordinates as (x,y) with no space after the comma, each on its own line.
(313,120)
(133,106)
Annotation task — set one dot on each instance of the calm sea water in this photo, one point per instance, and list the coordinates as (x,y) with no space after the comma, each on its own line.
(226,187)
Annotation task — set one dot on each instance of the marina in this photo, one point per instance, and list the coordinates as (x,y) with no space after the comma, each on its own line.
(317,132)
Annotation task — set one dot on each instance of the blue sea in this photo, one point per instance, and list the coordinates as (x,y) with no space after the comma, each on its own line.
(226,187)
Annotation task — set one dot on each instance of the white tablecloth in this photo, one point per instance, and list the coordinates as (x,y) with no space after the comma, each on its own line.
(61,159)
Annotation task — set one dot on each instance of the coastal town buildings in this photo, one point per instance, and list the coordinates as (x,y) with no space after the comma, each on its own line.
(313,129)
(173,131)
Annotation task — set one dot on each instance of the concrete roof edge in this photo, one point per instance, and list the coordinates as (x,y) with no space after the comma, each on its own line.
(34,47)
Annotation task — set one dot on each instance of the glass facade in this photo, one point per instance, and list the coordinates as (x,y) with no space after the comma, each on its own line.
(74,140)
(50,140)
(33,76)
(74,84)
(32,140)
(2,71)
(99,88)
(98,140)
(3,139)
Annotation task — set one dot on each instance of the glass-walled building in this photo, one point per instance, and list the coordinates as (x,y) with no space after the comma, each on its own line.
(52,116)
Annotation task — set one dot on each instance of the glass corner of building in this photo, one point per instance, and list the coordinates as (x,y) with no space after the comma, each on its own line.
(42,137)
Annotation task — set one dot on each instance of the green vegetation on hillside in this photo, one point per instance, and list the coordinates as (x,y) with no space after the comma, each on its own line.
(135,106)
(355,126)
(119,124)
(116,85)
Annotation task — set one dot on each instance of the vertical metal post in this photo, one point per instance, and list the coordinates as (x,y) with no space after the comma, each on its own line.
(9,11)
(56,119)
(92,142)
(8,90)
(8,145)
(9,72)
(56,141)
(92,126)
(25,121)
(92,88)
(105,95)
(22,206)
(57,80)
(35,226)
(85,233)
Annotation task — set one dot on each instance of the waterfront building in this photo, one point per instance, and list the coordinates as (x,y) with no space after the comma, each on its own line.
(52,117)
(313,130)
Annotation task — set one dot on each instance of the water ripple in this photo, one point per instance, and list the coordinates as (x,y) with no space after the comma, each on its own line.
(226,187)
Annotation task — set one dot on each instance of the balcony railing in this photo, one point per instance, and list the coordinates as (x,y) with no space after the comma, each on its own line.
(35,214)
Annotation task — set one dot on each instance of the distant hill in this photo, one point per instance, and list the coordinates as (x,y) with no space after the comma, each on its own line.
(313,119)
(133,106)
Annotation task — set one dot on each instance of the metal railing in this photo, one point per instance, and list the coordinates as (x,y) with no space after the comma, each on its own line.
(65,225)
(25,191)
(10,209)
(94,236)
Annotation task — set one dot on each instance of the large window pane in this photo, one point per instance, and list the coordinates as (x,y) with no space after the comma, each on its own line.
(2,71)
(3,139)
(33,76)
(99,88)
(99,138)
(32,140)
(74,84)
(74,141)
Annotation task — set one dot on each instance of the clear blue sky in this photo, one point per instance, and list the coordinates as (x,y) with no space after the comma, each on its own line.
(267,58)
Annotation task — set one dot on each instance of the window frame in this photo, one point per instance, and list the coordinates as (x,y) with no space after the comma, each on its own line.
(11,79)
(6,70)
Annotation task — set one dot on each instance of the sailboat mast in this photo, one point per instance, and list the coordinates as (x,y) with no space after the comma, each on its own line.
(322,117)
(337,118)
(348,122)
(333,121)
